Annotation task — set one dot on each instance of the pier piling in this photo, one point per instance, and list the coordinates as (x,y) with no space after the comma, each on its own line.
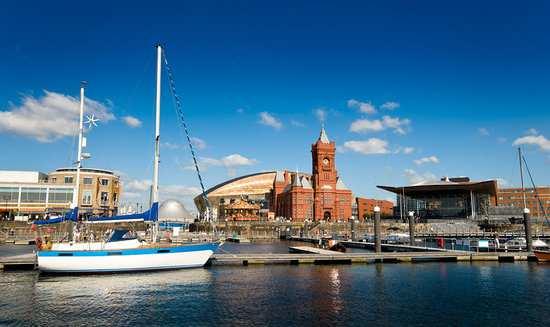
(377,240)
(527,226)
(411,227)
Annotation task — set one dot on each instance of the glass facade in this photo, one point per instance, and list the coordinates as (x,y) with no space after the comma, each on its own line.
(444,205)
(9,194)
(33,195)
(60,195)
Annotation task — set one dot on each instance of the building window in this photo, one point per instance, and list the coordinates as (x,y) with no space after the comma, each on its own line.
(115,197)
(104,198)
(87,181)
(68,179)
(60,195)
(33,195)
(87,197)
(9,194)
(104,181)
(53,180)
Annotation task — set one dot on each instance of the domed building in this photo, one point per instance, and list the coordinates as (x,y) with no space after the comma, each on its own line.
(174,211)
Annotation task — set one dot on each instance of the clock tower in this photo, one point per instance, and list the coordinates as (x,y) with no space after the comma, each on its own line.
(319,196)
(324,177)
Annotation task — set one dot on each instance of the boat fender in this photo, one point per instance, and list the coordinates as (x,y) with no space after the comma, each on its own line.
(38,243)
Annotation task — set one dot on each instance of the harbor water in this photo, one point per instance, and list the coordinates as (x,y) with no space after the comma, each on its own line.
(457,294)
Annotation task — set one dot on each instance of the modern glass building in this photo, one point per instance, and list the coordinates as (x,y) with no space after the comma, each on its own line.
(33,200)
(449,198)
(30,195)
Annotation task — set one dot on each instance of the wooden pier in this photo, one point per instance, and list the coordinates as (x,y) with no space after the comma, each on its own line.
(363,258)
(28,261)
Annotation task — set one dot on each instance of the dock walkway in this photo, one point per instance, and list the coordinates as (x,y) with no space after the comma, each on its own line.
(27,261)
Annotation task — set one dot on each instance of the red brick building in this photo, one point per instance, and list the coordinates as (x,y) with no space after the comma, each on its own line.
(365,207)
(513,197)
(321,196)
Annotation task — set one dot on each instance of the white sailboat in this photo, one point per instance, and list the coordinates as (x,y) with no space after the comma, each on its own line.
(124,255)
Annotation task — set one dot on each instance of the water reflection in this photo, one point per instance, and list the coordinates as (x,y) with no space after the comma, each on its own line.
(102,298)
(380,294)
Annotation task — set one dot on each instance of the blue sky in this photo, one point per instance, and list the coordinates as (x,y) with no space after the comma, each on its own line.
(408,90)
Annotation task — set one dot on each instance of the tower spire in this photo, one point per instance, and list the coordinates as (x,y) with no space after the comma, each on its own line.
(323,136)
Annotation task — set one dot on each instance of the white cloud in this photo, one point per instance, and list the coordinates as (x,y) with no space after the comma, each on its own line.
(170,145)
(198,143)
(405,150)
(370,146)
(269,120)
(400,126)
(230,162)
(430,159)
(131,121)
(531,131)
(502,182)
(137,185)
(365,126)
(321,114)
(390,105)
(235,160)
(50,117)
(483,131)
(414,177)
(408,150)
(364,107)
(542,142)
(297,123)
(176,191)
(140,189)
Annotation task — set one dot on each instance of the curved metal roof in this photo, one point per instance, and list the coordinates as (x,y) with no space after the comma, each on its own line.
(256,183)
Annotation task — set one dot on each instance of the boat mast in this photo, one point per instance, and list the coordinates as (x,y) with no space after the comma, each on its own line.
(155,190)
(521,176)
(79,152)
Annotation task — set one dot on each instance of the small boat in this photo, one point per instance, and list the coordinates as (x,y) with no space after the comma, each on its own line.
(540,245)
(542,256)
(128,260)
(516,244)
(334,245)
(118,254)
(398,238)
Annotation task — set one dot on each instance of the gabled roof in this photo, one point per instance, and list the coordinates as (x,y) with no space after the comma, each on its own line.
(280,176)
(296,180)
(340,185)
(306,183)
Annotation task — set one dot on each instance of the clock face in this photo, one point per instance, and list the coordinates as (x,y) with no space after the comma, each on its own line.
(325,161)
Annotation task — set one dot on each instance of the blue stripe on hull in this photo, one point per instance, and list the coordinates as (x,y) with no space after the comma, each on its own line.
(165,250)
(97,271)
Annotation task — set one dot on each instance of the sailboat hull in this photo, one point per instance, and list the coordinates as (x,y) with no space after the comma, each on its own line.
(126,260)
(543,256)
